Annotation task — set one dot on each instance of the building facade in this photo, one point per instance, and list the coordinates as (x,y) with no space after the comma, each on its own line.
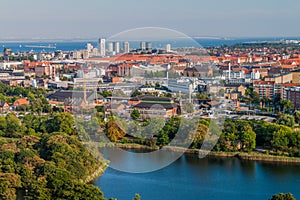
(293,94)
(102,47)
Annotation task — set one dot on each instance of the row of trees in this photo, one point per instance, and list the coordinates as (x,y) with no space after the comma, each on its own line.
(13,127)
(236,135)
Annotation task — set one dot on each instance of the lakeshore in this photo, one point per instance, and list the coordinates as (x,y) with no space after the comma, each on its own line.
(254,156)
(210,178)
(97,173)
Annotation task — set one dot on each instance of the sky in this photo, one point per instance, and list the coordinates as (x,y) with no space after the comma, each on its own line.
(103,18)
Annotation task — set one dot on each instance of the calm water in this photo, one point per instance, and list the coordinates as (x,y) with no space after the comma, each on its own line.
(210,179)
(71,46)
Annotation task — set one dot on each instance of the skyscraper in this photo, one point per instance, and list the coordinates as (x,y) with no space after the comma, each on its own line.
(148,46)
(168,47)
(143,45)
(117,47)
(110,47)
(102,47)
(126,47)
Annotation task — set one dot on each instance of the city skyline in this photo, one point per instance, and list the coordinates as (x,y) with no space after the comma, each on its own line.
(90,19)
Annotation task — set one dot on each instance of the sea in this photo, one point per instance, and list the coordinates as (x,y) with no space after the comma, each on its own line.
(73,45)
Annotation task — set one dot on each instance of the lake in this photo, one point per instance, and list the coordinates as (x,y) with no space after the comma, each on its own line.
(210,178)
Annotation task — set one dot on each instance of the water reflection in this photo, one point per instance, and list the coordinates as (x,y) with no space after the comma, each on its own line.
(209,178)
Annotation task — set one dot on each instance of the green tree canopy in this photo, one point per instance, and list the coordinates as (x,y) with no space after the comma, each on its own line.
(282,196)
(135,114)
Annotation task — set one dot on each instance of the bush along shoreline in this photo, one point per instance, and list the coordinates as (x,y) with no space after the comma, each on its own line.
(248,140)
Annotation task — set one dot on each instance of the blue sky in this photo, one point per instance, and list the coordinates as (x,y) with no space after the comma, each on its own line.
(95,18)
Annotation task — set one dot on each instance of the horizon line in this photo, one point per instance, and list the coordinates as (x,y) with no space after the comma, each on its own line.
(16,39)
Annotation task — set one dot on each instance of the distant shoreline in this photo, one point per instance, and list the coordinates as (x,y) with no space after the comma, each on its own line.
(95,39)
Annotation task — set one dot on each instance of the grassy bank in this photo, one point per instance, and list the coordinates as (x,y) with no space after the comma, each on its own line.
(267,158)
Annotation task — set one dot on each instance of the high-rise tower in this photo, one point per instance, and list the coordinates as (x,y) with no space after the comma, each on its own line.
(117,47)
(126,47)
(102,48)
(143,45)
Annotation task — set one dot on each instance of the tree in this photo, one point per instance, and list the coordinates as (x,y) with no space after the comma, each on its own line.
(248,139)
(228,137)
(221,93)
(135,114)
(265,101)
(280,140)
(285,105)
(297,116)
(13,125)
(134,129)
(282,196)
(152,127)
(188,107)
(157,85)
(106,93)
(137,197)
(276,102)
(3,124)
(201,133)
(61,122)
(115,130)
(255,97)
(202,96)
(135,93)
(6,192)
(287,120)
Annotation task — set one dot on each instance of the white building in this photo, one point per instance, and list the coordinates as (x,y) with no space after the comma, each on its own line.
(95,52)
(233,74)
(91,74)
(255,74)
(143,45)
(110,47)
(10,65)
(126,47)
(148,46)
(183,85)
(168,47)
(89,47)
(102,47)
(117,47)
